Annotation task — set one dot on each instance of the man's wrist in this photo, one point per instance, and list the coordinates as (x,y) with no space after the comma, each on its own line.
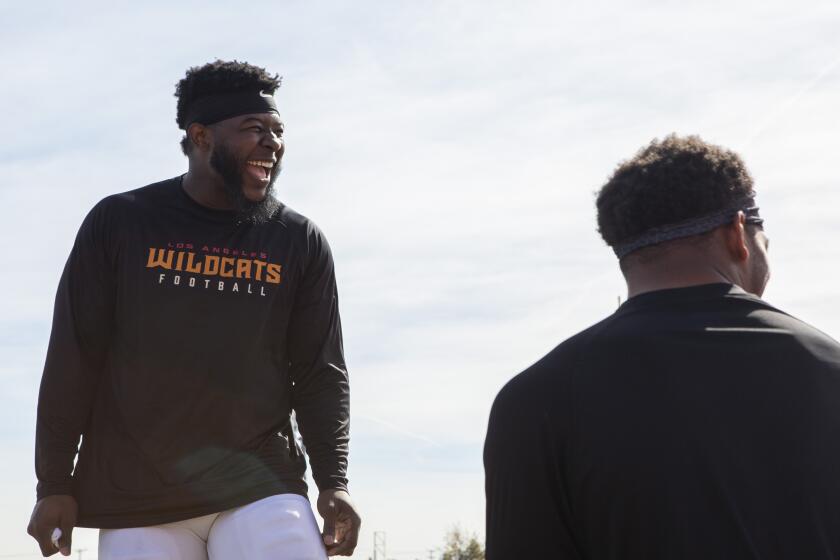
(333,490)
(331,483)
(45,489)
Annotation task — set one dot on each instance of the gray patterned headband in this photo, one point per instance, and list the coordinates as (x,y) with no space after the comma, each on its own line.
(690,227)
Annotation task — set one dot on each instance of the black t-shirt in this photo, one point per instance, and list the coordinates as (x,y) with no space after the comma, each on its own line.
(693,423)
(181,343)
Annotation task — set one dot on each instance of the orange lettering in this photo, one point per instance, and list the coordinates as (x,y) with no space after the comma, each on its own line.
(273,273)
(243,268)
(195,269)
(259,265)
(225,272)
(211,265)
(159,259)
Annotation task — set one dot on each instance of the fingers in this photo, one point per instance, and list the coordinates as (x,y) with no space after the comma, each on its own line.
(52,524)
(329,525)
(344,548)
(39,533)
(52,540)
(341,522)
(349,525)
(65,540)
(43,535)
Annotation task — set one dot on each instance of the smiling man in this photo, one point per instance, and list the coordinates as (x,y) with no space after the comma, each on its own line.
(196,323)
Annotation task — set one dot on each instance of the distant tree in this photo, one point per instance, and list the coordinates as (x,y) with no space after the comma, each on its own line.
(461,546)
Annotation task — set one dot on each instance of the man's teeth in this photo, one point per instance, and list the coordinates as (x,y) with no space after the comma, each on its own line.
(266,164)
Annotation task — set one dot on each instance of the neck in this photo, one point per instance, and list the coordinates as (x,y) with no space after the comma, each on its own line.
(206,187)
(678,270)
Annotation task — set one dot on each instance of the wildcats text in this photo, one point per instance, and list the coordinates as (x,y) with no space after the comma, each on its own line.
(214,265)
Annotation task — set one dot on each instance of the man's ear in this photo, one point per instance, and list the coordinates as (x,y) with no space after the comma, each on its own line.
(201,136)
(735,234)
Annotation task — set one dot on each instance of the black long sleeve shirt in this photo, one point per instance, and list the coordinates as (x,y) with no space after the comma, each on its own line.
(693,423)
(181,343)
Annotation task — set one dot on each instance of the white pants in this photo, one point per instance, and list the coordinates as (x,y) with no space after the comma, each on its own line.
(279,527)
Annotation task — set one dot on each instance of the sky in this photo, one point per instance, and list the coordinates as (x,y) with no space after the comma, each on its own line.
(450,150)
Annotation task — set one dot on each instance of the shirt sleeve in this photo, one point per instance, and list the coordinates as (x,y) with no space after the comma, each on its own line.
(527,512)
(320,391)
(82,320)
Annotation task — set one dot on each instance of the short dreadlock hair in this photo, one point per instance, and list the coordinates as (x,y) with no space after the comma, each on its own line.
(219,77)
(669,181)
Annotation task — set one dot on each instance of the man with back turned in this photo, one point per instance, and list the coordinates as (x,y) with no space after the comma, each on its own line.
(695,422)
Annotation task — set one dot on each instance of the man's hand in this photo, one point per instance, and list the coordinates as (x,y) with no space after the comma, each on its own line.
(341,522)
(53,512)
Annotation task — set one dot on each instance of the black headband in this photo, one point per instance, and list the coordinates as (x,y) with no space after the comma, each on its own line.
(694,226)
(218,107)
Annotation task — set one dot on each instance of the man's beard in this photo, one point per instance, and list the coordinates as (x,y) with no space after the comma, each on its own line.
(231,170)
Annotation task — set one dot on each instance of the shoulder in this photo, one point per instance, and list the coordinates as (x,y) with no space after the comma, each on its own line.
(296,222)
(303,230)
(104,221)
(807,336)
(161,192)
(535,410)
(547,384)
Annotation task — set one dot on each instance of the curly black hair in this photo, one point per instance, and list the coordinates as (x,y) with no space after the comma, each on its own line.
(219,76)
(669,181)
